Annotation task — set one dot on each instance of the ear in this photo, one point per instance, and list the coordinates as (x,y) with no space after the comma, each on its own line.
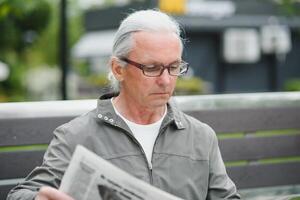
(117,69)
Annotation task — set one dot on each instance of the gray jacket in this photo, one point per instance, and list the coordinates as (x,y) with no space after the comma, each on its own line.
(186,160)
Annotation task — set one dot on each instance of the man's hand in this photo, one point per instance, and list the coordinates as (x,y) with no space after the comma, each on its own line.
(49,193)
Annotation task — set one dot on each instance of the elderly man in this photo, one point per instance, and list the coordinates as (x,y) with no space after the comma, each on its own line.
(136,128)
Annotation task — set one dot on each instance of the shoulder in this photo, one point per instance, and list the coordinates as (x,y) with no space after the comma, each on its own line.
(194,123)
(190,123)
(202,133)
(78,126)
(200,136)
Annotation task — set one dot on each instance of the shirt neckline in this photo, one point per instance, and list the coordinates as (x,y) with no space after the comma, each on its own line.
(136,124)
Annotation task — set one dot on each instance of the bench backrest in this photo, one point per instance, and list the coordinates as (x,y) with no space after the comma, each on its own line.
(266,149)
(253,159)
(23,142)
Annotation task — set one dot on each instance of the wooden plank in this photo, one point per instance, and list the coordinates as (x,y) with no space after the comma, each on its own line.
(4,189)
(254,148)
(263,175)
(25,131)
(19,164)
(29,130)
(250,119)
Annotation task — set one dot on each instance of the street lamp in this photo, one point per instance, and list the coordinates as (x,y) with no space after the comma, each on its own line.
(63,52)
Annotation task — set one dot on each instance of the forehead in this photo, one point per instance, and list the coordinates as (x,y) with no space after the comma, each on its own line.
(156,45)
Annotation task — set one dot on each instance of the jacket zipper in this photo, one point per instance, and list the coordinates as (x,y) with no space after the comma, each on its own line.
(151,174)
(149,165)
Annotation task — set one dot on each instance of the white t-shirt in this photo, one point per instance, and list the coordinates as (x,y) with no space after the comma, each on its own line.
(145,134)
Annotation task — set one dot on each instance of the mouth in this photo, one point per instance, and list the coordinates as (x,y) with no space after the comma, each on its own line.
(161,93)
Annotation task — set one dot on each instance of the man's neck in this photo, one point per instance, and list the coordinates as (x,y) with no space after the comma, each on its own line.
(138,113)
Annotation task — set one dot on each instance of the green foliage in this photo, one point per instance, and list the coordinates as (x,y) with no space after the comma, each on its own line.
(20,23)
(45,50)
(35,16)
(292,85)
(98,80)
(9,35)
(189,86)
(29,37)
(289,7)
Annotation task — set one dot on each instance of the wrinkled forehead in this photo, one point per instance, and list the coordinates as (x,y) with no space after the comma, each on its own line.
(159,39)
(158,47)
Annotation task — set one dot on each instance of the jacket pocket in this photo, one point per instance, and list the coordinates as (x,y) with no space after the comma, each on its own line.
(181,175)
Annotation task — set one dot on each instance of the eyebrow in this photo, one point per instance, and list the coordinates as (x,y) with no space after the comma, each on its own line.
(156,63)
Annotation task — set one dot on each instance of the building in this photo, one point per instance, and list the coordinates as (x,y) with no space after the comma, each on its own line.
(236,46)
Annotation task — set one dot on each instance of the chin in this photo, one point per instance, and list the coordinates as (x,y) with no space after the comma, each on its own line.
(160,102)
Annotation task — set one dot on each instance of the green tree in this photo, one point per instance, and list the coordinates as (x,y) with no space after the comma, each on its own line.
(29,38)
(288,7)
(21,24)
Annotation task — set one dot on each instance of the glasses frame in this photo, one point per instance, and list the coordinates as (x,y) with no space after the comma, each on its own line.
(142,66)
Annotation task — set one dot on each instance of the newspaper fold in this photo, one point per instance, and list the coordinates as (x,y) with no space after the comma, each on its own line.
(89,177)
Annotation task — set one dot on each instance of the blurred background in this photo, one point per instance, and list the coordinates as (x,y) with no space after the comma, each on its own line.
(59,49)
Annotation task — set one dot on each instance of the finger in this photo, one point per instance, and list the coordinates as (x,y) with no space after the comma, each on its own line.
(49,193)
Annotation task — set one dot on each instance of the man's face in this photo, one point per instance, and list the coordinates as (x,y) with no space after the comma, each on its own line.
(151,48)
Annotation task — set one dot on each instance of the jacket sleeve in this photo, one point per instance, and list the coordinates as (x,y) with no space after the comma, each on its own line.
(220,185)
(50,173)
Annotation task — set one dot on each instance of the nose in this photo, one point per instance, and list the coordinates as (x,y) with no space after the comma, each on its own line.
(164,78)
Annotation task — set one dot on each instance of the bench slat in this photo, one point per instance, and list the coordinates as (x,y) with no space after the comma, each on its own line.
(4,189)
(254,148)
(19,164)
(254,176)
(250,119)
(29,130)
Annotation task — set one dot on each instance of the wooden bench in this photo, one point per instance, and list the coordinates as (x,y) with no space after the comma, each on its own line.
(254,158)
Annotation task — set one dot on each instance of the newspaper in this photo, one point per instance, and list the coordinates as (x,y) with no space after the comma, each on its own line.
(89,177)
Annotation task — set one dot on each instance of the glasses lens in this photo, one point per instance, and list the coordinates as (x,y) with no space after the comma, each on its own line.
(174,69)
(152,70)
(180,69)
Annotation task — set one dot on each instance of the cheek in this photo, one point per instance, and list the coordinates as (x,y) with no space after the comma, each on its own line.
(134,79)
(146,84)
(141,85)
(173,82)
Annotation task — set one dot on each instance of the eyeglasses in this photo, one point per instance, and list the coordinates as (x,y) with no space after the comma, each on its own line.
(154,70)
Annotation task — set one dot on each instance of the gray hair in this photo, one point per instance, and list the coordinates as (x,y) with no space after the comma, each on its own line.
(143,20)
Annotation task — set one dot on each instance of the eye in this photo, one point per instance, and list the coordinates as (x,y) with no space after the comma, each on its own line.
(151,68)
(174,66)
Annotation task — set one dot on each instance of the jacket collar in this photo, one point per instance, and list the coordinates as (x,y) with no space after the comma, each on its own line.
(106,113)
